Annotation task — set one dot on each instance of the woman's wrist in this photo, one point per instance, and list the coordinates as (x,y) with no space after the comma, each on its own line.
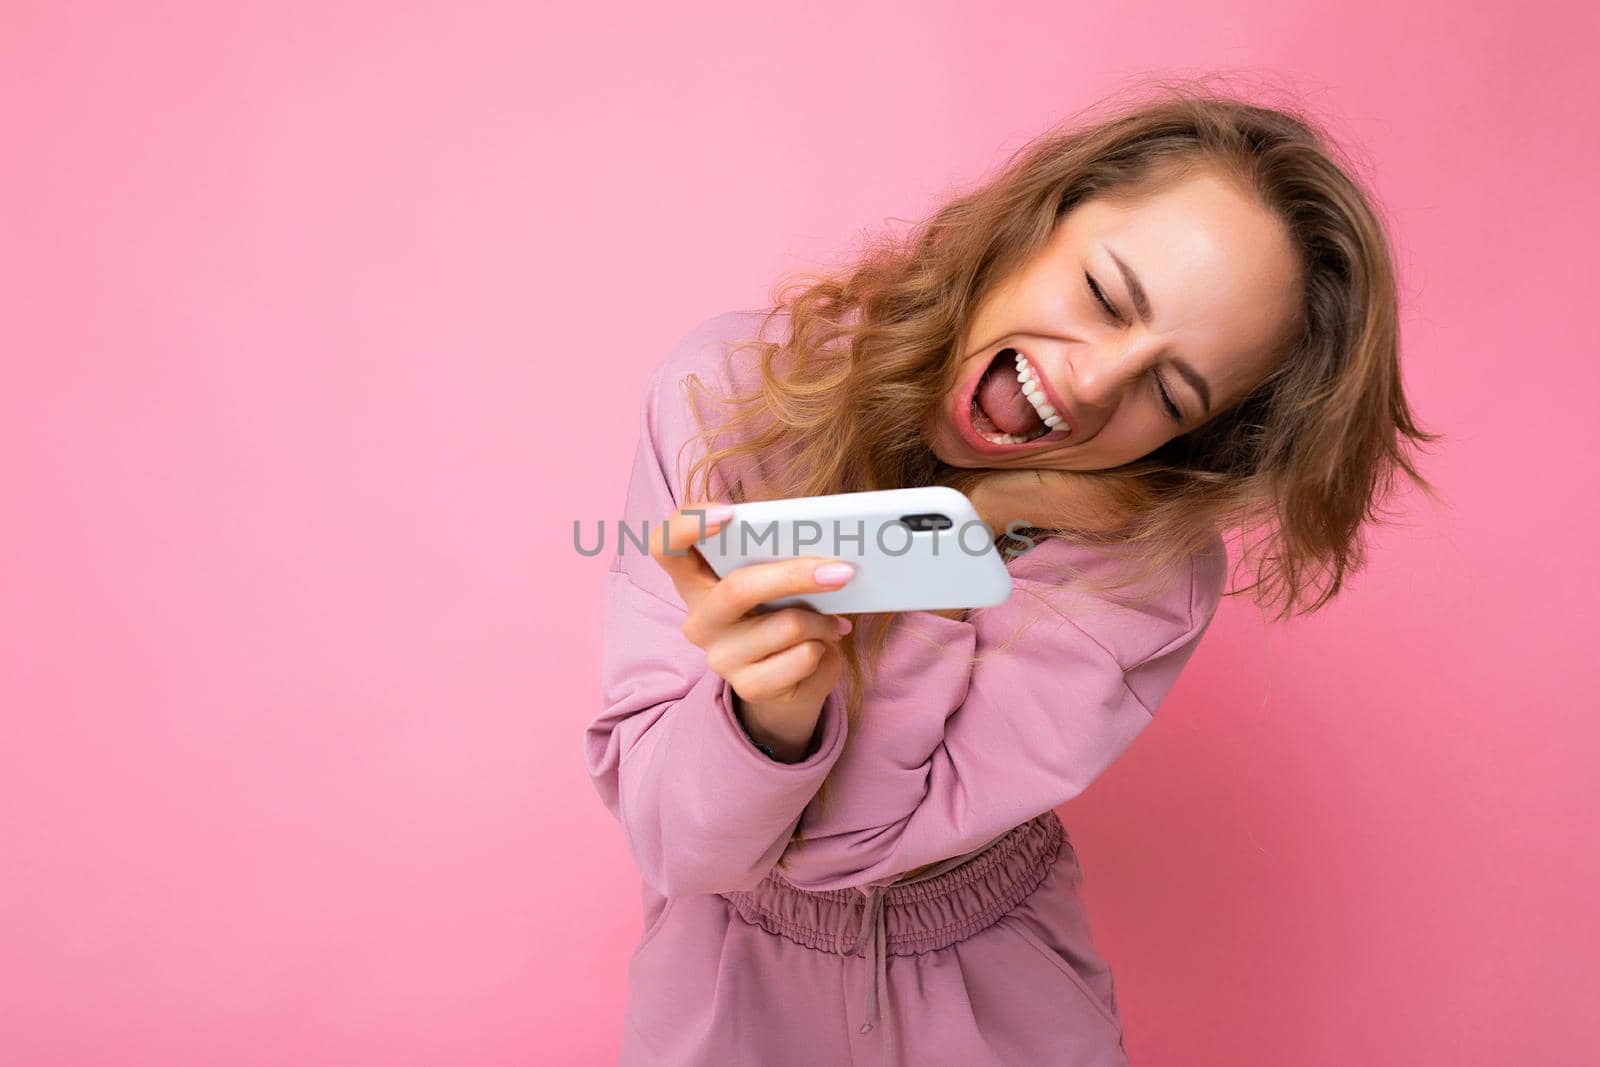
(784,747)
(1046,499)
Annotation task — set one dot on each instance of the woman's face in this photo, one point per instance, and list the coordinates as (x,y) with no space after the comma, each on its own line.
(1201,285)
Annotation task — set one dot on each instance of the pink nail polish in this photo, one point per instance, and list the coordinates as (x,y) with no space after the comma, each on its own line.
(845,625)
(834,573)
(719,513)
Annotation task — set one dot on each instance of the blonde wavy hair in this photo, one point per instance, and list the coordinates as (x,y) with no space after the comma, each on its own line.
(1296,468)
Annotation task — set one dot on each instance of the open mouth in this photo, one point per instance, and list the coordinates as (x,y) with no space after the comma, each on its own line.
(1008,405)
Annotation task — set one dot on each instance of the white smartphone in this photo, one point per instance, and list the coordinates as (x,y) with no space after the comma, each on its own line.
(922,549)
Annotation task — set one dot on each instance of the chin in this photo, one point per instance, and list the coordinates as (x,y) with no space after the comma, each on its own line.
(948,449)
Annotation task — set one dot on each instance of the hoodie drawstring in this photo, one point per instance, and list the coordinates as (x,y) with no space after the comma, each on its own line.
(874,933)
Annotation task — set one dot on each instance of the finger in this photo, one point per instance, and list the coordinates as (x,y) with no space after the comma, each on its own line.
(751,640)
(743,590)
(779,676)
(671,546)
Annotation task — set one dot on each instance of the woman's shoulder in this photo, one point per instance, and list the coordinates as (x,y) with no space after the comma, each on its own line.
(709,361)
(1133,626)
(713,350)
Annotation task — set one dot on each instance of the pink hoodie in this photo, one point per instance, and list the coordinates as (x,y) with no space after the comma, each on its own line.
(949,754)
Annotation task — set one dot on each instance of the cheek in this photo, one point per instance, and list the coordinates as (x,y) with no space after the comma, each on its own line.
(1119,444)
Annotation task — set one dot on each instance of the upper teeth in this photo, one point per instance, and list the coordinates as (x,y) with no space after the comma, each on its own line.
(1035,394)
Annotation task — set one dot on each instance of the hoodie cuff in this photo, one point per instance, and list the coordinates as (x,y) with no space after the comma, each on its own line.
(826,742)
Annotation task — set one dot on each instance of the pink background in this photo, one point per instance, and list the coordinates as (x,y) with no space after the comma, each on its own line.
(321,326)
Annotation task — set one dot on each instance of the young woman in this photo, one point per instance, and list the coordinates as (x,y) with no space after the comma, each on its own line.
(1178,321)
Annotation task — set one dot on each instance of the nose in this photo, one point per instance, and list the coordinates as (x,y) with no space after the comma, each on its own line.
(1101,372)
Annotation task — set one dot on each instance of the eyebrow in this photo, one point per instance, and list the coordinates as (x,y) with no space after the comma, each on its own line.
(1141,305)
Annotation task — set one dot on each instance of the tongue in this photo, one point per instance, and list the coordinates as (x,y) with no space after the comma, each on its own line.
(1000,397)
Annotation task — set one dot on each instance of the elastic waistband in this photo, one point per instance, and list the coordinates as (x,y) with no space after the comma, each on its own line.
(919,916)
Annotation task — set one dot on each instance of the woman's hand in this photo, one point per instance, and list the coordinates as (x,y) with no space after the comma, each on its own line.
(1041,498)
(1045,498)
(781,664)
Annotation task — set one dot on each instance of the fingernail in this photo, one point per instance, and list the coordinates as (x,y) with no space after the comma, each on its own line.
(719,513)
(834,573)
(845,625)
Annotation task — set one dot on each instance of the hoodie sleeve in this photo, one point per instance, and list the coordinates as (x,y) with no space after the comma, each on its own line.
(702,809)
(952,751)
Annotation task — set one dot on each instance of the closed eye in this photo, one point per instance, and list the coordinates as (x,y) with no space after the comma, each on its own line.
(1161,388)
(1101,297)
(1166,401)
